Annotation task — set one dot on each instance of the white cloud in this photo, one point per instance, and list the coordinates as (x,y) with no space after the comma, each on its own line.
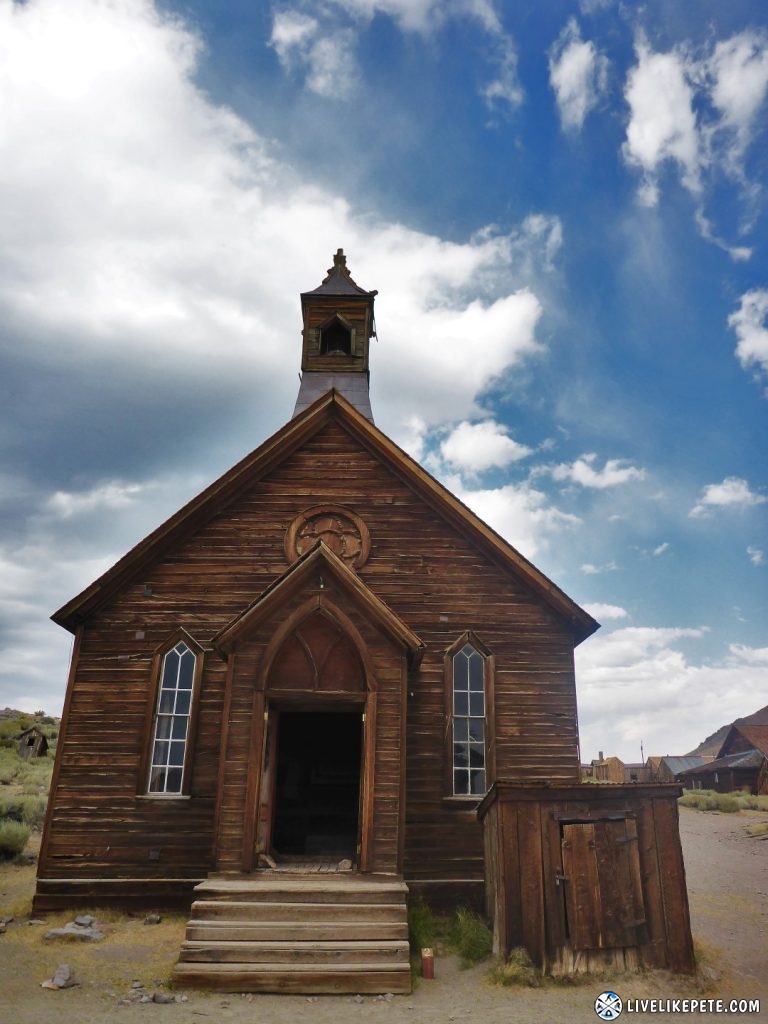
(738,69)
(605,611)
(697,112)
(520,513)
(142,218)
(756,555)
(291,31)
(323,39)
(661,549)
(733,492)
(589,569)
(662,123)
(750,324)
(112,495)
(636,684)
(327,56)
(505,87)
(578,74)
(749,655)
(409,15)
(582,471)
(423,315)
(474,447)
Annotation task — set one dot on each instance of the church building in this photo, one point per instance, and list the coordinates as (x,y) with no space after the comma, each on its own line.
(317,667)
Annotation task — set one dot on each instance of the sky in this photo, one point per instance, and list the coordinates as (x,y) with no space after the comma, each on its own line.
(563,207)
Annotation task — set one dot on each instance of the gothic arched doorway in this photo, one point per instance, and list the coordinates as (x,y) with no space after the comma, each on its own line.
(312,790)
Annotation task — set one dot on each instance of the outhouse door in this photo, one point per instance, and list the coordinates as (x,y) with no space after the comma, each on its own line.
(603,887)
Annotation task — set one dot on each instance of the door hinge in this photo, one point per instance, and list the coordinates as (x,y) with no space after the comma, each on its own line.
(363,716)
(266,716)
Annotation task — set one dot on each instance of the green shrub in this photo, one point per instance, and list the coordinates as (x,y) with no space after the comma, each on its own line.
(14,836)
(33,810)
(470,937)
(422,927)
(760,828)
(518,970)
(707,800)
(11,807)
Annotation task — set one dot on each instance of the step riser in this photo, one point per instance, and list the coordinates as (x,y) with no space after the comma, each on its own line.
(277,888)
(211,910)
(306,982)
(302,896)
(242,954)
(285,931)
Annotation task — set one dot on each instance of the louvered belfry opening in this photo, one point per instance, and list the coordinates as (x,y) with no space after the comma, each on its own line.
(335,339)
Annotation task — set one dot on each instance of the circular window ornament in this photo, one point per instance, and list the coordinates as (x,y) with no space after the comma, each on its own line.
(337,527)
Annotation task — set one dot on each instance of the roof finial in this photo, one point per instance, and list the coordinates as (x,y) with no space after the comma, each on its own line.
(339,265)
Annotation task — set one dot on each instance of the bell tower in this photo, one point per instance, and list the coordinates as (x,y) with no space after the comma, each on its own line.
(337,328)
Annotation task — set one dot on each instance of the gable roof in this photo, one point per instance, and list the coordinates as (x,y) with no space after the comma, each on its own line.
(755,735)
(744,759)
(682,763)
(295,578)
(331,406)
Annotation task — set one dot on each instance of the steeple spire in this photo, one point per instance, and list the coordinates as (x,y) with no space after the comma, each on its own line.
(337,328)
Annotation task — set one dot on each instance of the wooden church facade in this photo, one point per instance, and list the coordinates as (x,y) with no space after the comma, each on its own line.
(324,657)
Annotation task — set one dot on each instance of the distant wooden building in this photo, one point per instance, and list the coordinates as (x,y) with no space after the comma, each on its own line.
(741,763)
(668,768)
(636,771)
(32,743)
(608,769)
(325,657)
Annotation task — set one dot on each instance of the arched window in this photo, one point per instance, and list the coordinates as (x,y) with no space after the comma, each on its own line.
(469,701)
(173,716)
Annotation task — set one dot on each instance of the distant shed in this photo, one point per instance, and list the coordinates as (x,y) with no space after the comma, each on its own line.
(32,743)
(667,769)
(608,769)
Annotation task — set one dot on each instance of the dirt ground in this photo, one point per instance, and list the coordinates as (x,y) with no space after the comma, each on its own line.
(727,874)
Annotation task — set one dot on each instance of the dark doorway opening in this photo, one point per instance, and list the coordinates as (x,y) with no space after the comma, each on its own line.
(317,789)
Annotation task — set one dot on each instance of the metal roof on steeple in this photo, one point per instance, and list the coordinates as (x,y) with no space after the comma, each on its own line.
(338,280)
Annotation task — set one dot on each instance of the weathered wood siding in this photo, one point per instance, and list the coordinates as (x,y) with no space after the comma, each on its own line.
(587,877)
(424,569)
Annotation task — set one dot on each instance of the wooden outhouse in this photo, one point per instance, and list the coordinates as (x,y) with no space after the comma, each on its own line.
(32,743)
(588,877)
(324,659)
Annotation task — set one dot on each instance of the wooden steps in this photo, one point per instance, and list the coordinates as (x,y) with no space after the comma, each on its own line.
(314,933)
